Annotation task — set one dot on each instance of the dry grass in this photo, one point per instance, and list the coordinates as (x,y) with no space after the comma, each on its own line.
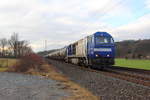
(3,69)
(78,92)
(5,63)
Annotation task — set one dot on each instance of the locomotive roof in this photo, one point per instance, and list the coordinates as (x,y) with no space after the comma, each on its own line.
(96,34)
(102,34)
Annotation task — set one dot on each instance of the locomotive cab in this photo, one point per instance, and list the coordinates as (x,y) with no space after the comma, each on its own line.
(101,49)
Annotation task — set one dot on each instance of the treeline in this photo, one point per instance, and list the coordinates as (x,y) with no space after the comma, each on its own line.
(43,53)
(14,47)
(135,49)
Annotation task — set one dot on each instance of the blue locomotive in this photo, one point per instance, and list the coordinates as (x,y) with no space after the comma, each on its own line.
(97,50)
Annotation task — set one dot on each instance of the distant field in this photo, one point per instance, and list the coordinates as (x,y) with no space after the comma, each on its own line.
(5,63)
(139,64)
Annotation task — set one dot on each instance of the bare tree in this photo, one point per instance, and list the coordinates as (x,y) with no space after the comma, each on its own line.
(23,47)
(13,42)
(27,50)
(3,43)
(19,48)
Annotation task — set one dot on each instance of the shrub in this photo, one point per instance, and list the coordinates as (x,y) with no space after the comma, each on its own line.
(27,62)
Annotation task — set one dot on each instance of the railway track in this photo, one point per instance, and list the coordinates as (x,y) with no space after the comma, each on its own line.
(137,76)
(131,73)
(128,74)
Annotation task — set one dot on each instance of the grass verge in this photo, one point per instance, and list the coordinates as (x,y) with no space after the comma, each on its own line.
(132,63)
(3,69)
(5,63)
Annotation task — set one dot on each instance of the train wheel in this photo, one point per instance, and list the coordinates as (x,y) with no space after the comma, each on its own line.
(101,67)
(93,67)
(98,67)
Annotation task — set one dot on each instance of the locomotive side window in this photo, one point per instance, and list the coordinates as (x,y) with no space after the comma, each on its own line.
(112,41)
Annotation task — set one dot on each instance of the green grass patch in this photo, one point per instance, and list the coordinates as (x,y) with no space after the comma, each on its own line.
(132,63)
(3,69)
(5,63)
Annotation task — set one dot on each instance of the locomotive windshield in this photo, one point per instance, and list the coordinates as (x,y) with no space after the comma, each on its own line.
(104,40)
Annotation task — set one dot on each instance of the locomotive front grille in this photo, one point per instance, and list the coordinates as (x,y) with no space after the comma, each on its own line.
(104,61)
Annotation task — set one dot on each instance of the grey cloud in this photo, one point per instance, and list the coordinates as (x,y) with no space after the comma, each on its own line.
(57,21)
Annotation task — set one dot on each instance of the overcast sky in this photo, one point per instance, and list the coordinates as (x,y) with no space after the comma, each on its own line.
(61,22)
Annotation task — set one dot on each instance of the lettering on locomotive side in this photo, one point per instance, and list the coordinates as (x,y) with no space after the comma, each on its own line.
(103,49)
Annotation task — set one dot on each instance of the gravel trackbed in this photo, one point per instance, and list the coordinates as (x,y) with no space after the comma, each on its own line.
(105,87)
(27,87)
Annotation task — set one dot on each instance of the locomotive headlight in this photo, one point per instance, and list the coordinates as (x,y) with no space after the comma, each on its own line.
(108,55)
(96,55)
